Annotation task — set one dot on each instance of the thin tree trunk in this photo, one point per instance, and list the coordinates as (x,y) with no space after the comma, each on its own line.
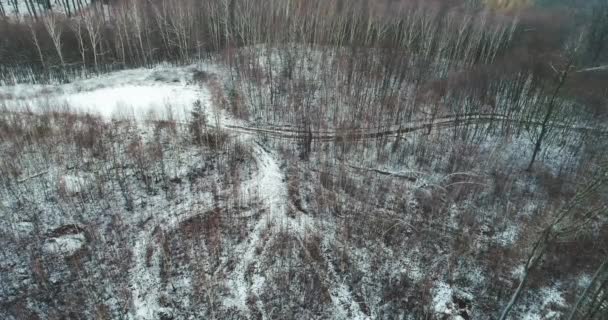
(2,11)
(534,257)
(599,271)
(36,43)
(16,7)
(31,9)
(545,124)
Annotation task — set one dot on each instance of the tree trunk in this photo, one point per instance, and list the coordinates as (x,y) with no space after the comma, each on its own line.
(534,257)
(545,124)
(579,302)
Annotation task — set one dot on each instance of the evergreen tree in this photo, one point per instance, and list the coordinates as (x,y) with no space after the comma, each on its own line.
(197,123)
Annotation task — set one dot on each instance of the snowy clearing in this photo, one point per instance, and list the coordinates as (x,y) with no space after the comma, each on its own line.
(149,102)
(67,244)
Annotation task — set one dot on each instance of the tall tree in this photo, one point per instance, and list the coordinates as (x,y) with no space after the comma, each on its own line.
(568,220)
(597,34)
(93,24)
(552,104)
(54,28)
(585,306)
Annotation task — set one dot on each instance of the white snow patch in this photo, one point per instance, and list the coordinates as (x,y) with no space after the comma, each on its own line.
(552,296)
(531,316)
(342,299)
(73,184)
(508,236)
(584,280)
(518,271)
(25,227)
(67,244)
(150,102)
(442,298)
(547,304)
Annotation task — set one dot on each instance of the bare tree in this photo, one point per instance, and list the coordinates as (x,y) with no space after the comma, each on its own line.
(597,283)
(29,4)
(139,24)
(553,101)
(76,26)
(598,30)
(93,24)
(31,26)
(565,222)
(54,28)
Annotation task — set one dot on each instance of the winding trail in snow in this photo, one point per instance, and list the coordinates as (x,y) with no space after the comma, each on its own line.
(444,122)
(145,275)
(268,185)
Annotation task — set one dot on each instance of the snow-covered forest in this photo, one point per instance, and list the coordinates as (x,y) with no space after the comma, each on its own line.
(303,159)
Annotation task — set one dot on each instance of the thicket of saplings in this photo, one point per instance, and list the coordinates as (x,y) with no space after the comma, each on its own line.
(406,80)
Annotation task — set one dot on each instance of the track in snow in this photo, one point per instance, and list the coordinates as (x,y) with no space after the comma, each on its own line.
(287,133)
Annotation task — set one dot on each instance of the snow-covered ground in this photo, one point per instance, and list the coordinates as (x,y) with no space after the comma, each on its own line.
(141,94)
(66,244)
(20,7)
(169,93)
(145,94)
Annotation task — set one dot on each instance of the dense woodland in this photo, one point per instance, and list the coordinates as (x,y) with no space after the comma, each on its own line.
(386,159)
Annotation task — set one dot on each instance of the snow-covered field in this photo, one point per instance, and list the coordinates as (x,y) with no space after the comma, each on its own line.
(134,94)
(358,226)
(139,96)
(19,8)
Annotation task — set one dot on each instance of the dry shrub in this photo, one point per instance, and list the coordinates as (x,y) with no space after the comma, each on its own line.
(68,229)
(463,156)
(165,125)
(41,131)
(502,182)
(571,257)
(154,151)
(10,164)
(348,184)
(590,89)
(207,226)
(20,310)
(85,131)
(214,139)
(293,190)
(202,76)
(282,245)
(327,180)
(102,312)
(213,231)
(135,149)
(11,127)
(312,245)
(149,255)
(430,201)
(500,261)
(464,186)
(376,226)
(39,271)
(462,246)
(192,227)
(63,190)
(218,97)
(557,187)
(406,295)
